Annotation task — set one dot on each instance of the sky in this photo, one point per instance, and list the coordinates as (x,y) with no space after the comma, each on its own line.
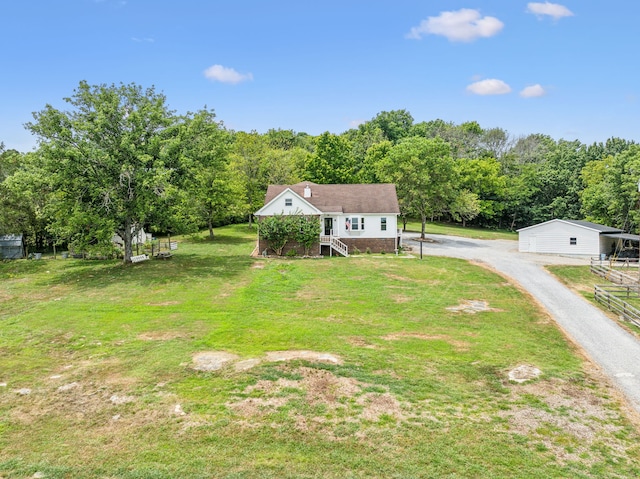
(569,70)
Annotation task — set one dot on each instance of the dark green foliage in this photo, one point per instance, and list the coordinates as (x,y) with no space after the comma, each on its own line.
(307,230)
(107,158)
(332,162)
(120,157)
(278,230)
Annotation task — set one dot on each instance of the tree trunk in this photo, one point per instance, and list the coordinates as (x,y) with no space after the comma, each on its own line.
(424,224)
(128,242)
(210,229)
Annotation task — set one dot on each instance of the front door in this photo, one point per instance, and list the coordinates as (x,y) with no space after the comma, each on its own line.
(328,226)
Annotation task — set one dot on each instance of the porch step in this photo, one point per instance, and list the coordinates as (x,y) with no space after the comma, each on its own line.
(339,246)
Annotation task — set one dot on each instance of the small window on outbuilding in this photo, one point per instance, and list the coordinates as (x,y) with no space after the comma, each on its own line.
(383,224)
(573,241)
(288,202)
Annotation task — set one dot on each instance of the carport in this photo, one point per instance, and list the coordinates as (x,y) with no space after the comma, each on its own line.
(624,245)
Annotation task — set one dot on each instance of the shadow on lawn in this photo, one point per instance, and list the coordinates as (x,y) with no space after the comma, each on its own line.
(180,269)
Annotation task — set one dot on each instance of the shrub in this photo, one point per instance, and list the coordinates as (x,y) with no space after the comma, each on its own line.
(276,230)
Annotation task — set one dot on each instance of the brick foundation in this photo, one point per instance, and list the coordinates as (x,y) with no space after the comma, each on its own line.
(375,245)
(291,245)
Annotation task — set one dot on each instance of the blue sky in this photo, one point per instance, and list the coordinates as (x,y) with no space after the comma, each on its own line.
(566,69)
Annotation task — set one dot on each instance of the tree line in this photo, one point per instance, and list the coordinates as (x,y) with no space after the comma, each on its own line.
(118,158)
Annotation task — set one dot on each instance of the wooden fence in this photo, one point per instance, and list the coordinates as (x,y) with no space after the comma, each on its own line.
(610,296)
(608,271)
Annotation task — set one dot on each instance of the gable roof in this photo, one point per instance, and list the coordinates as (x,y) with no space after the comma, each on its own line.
(287,191)
(581,223)
(358,198)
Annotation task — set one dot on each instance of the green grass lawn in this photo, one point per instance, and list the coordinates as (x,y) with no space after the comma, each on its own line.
(457,230)
(98,378)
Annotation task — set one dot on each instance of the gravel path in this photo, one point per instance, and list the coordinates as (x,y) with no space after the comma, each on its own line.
(608,345)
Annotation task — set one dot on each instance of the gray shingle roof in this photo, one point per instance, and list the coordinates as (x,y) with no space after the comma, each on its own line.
(359,198)
(595,226)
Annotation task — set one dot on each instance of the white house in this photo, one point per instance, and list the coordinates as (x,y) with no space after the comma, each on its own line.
(362,216)
(138,236)
(571,237)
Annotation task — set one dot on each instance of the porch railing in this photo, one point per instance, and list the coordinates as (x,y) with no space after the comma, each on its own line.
(334,243)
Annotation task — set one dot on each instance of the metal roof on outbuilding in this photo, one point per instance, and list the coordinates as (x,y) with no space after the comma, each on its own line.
(581,223)
(11,246)
(623,236)
(10,240)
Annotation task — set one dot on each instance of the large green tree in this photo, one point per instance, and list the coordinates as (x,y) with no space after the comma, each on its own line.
(332,162)
(482,176)
(610,193)
(558,182)
(24,198)
(209,193)
(424,174)
(107,160)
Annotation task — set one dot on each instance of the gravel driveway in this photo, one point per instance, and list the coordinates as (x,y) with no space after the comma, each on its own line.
(608,345)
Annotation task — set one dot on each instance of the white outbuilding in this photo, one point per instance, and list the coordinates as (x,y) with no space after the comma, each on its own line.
(571,237)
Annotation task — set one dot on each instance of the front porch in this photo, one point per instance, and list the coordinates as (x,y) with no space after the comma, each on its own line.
(334,244)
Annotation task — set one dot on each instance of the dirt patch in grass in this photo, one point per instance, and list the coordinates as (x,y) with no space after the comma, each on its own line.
(401,299)
(257,265)
(571,421)
(473,306)
(276,356)
(212,360)
(160,335)
(524,373)
(376,405)
(319,401)
(216,360)
(458,344)
(360,343)
(164,303)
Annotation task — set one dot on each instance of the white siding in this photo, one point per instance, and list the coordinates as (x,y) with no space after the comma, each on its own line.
(279,206)
(555,237)
(372,226)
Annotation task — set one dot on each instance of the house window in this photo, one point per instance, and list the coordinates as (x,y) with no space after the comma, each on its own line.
(288,202)
(573,241)
(383,224)
(355,223)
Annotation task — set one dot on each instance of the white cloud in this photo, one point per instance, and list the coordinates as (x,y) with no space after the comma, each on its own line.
(490,86)
(554,10)
(533,91)
(465,25)
(226,75)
